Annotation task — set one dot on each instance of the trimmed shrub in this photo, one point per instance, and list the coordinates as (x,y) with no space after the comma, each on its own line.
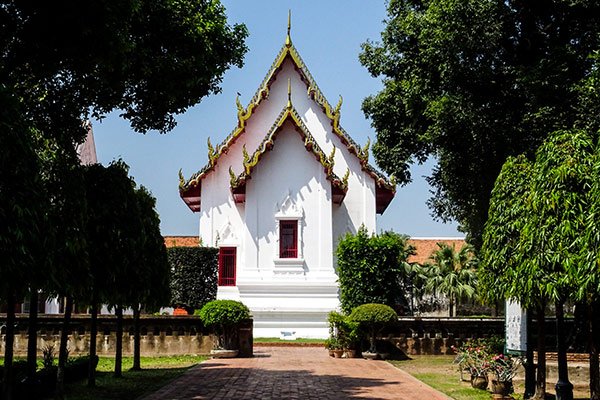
(374,269)
(224,316)
(372,318)
(194,275)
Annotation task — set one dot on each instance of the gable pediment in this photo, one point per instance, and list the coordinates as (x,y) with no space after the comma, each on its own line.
(191,189)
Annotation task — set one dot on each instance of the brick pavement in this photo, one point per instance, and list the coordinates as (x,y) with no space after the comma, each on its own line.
(295,373)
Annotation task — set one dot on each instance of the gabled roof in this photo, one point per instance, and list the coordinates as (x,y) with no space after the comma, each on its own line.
(190,190)
(339,187)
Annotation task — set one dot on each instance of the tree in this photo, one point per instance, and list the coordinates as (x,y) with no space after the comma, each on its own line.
(225,317)
(548,205)
(471,83)
(500,258)
(373,269)
(452,274)
(67,245)
(114,233)
(22,220)
(372,318)
(150,288)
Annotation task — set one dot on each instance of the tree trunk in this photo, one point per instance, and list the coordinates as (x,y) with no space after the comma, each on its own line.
(7,384)
(119,345)
(564,388)
(450,306)
(136,339)
(593,349)
(32,336)
(529,363)
(540,381)
(93,335)
(63,352)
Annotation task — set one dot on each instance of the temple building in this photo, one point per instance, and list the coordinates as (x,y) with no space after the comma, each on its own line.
(277,194)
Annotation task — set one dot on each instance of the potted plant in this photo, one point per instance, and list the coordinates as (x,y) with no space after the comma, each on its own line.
(224,316)
(474,357)
(503,367)
(334,346)
(349,337)
(371,319)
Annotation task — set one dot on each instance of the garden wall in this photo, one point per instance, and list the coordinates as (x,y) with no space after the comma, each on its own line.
(436,335)
(161,335)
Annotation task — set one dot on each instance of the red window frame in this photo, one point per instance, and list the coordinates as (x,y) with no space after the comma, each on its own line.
(227,266)
(288,239)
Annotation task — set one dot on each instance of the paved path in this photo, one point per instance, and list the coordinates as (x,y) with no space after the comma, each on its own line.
(295,373)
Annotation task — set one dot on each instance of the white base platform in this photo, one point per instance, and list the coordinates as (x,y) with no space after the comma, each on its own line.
(297,309)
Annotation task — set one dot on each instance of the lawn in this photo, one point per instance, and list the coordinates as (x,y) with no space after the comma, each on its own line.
(157,371)
(439,373)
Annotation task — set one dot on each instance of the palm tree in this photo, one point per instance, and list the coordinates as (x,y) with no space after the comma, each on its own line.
(452,274)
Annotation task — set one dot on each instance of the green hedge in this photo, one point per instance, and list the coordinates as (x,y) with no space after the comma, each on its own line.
(194,275)
(374,269)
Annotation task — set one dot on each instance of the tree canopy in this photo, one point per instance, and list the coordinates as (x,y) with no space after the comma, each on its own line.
(471,83)
(149,59)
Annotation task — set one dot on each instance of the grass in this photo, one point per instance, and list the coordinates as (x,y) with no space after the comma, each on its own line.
(439,373)
(157,372)
(277,340)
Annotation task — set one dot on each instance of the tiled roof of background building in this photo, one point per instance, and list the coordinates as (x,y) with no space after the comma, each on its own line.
(181,241)
(426,246)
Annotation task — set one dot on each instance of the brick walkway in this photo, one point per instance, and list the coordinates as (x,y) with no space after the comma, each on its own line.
(295,373)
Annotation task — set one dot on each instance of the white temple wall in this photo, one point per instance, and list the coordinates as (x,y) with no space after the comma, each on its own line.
(290,171)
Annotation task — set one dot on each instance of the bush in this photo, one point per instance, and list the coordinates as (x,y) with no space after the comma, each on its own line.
(342,331)
(374,269)
(224,316)
(372,318)
(194,275)
(76,369)
(19,370)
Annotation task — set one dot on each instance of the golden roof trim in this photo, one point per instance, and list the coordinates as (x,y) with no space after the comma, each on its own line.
(309,143)
(313,91)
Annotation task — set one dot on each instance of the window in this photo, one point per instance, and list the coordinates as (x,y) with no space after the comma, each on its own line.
(288,239)
(227,266)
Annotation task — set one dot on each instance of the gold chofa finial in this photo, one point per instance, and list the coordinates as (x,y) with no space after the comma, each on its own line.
(289,103)
(288,39)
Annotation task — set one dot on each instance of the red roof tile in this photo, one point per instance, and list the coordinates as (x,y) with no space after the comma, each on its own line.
(181,241)
(425,247)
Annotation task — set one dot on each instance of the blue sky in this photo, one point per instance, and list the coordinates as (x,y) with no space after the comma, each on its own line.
(328,36)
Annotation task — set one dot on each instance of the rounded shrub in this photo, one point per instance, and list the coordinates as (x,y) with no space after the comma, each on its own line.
(373,314)
(372,318)
(223,312)
(224,316)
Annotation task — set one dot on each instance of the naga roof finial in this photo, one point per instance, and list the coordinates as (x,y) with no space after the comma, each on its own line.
(288,39)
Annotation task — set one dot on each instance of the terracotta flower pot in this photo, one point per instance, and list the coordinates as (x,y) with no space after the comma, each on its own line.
(349,354)
(338,353)
(503,388)
(479,381)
